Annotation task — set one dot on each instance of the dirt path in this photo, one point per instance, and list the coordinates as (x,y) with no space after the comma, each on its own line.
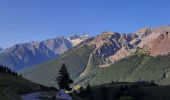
(32,96)
(5,91)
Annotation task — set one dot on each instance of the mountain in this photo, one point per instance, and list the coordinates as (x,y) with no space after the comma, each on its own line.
(115,46)
(155,40)
(87,59)
(76,39)
(1,49)
(23,55)
(28,54)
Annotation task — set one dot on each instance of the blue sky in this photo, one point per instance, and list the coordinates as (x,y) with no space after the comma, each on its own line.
(28,20)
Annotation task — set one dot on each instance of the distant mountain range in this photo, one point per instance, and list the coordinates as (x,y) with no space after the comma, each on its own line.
(87,59)
(23,55)
(1,49)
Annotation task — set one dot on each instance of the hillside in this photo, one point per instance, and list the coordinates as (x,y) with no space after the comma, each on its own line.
(136,68)
(12,86)
(76,60)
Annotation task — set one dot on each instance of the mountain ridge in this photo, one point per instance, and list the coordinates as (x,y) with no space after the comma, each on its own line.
(24,55)
(1,49)
(103,51)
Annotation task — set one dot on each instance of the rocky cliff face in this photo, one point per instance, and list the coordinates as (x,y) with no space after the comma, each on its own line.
(113,46)
(27,54)
(154,40)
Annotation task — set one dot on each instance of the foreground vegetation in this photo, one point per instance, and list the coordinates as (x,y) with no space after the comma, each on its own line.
(13,85)
(124,91)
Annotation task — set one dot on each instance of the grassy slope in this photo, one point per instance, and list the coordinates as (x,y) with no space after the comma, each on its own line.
(46,73)
(136,68)
(15,86)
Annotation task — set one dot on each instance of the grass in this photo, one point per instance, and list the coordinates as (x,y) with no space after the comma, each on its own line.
(15,86)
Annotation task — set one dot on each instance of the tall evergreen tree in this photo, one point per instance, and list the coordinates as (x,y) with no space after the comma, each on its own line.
(63,79)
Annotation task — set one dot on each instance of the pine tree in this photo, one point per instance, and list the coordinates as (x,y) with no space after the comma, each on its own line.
(63,79)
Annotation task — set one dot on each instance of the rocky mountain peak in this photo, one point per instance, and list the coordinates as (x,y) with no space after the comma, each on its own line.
(147,35)
(160,45)
(57,45)
(112,46)
(143,32)
(155,31)
(77,39)
(106,38)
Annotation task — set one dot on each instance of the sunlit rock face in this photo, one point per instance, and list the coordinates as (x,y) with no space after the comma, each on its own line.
(113,46)
(155,40)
